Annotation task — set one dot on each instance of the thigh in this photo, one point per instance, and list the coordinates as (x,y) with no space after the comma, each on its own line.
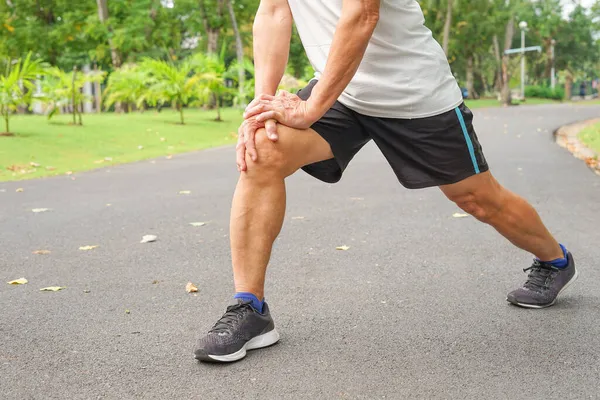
(432,151)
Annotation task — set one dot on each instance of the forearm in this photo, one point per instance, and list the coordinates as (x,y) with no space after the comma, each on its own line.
(272,35)
(352,36)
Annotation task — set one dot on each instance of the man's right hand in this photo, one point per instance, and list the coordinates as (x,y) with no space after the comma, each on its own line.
(246,135)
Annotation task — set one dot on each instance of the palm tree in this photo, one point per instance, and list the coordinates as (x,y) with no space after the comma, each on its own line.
(175,84)
(128,86)
(62,89)
(17,85)
(211,72)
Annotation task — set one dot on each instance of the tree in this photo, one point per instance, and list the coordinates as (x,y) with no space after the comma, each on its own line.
(17,85)
(211,71)
(174,84)
(128,86)
(64,90)
(239,51)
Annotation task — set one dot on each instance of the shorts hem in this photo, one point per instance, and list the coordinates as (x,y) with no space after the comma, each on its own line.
(442,182)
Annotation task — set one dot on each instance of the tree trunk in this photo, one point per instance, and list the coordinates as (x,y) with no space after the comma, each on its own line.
(73,103)
(97,93)
(508,38)
(470,83)
(79,112)
(181,114)
(103,15)
(218,109)
(6,121)
(447,25)
(498,78)
(568,86)
(240,54)
(211,29)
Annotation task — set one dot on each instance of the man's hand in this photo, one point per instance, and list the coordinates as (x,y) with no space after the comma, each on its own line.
(286,108)
(246,135)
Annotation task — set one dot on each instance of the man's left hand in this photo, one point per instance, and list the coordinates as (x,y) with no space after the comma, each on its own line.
(286,108)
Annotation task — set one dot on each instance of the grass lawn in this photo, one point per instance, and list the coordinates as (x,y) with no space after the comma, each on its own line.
(590,136)
(107,139)
(484,103)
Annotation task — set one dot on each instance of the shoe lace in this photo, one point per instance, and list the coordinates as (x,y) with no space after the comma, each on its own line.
(539,272)
(227,321)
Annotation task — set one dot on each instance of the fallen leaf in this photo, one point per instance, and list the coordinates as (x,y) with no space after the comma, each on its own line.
(107,158)
(42,252)
(140,147)
(155,282)
(108,205)
(98,161)
(85,248)
(197,223)
(343,248)
(162,139)
(127,312)
(34,164)
(169,157)
(19,190)
(148,238)
(185,192)
(86,291)
(20,281)
(49,168)
(191,288)
(460,215)
(39,210)
(297,217)
(69,173)
(357,198)
(52,289)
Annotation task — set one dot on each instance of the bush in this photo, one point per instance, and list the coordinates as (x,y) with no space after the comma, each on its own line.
(545,92)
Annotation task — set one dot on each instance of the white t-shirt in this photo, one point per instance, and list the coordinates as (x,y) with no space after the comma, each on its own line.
(404,73)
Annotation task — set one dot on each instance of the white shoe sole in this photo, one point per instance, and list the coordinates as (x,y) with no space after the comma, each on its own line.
(573,279)
(258,342)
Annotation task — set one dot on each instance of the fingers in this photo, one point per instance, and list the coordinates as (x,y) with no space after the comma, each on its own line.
(262,99)
(264,116)
(271,128)
(249,132)
(240,152)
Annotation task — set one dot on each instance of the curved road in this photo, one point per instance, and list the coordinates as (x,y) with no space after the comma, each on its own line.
(414,309)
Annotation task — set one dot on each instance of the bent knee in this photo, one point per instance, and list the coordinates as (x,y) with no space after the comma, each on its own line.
(479,206)
(270,157)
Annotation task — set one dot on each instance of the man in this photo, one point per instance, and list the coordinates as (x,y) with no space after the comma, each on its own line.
(379,75)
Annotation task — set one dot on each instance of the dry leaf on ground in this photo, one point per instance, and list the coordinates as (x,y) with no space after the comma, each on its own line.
(42,252)
(39,210)
(460,215)
(19,190)
(357,198)
(69,173)
(20,281)
(185,192)
(85,248)
(297,217)
(343,248)
(107,158)
(49,168)
(191,288)
(149,238)
(52,289)
(140,147)
(197,223)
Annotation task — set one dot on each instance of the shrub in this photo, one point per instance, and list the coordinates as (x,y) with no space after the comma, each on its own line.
(545,92)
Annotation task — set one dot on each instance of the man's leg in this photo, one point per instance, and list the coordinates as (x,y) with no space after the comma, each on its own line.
(513,217)
(256,219)
(259,201)
(484,198)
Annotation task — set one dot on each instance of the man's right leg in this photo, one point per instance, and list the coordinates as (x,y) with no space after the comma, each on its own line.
(256,219)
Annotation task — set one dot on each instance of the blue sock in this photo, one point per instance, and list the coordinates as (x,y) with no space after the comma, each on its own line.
(256,303)
(560,262)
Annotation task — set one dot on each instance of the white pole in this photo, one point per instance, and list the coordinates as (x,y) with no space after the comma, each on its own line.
(523,64)
(553,72)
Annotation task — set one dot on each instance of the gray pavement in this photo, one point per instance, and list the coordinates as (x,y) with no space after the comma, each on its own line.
(414,309)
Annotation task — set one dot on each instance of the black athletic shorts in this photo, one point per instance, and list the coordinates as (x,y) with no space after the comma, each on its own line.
(423,152)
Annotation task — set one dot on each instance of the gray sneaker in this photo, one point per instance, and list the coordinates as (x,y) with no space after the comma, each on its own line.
(241,328)
(544,284)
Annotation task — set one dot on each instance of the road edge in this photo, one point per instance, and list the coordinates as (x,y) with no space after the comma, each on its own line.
(567,137)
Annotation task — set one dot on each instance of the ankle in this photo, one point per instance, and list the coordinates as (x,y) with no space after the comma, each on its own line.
(256,301)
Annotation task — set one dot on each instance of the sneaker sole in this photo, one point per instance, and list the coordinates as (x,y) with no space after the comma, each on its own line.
(258,342)
(538,307)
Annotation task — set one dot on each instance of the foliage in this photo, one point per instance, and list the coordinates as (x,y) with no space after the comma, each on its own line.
(128,86)
(17,86)
(544,92)
(211,72)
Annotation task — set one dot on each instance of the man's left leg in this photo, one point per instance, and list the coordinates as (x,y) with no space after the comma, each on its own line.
(515,219)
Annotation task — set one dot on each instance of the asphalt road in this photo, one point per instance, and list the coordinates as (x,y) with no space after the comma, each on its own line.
(414,309)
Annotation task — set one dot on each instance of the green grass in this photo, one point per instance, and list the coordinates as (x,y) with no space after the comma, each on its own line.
(486,103)
(107,139)
(590,136)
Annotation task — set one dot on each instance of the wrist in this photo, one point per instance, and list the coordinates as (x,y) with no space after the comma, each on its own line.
(315,109)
